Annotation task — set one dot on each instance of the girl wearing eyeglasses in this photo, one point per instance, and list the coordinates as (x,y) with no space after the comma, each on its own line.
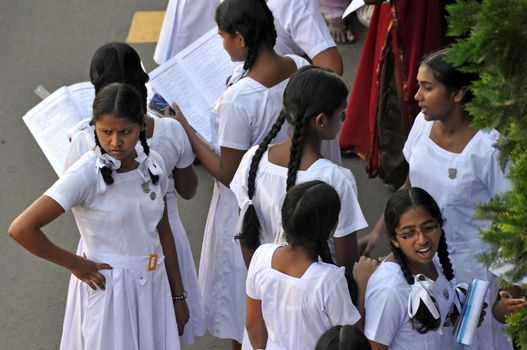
(412,294)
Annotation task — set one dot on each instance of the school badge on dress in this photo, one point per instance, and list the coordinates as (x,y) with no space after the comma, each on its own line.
(452,173)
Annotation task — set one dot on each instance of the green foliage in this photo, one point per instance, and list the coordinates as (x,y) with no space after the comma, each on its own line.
(492,41)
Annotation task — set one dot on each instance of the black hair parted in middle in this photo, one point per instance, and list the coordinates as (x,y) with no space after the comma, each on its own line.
(253,20)
(398,204)
(310,213)
(121,101)
(118,62)
(310,91)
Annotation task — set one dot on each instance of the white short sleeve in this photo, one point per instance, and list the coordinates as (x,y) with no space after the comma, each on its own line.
(351,218)
(413,136)
(234,127)
(239,184)
(258,262)
(178,136)
(338,306)
(75,185)
(385,313)
(303,21)
(81,142)
(492,175)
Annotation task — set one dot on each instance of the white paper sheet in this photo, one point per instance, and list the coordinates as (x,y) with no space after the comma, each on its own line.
(194,79)
(50,120)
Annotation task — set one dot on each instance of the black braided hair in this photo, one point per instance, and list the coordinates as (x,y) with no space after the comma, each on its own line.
(105,171)
(398,204)
(310,213)
(146,149)
(250,235)
(118,62)
(344,337)
(310,91)
(120,101)
(253,20)
(297,144)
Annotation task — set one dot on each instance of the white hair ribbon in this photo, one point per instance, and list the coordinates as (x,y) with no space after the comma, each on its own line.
(420,292)
(104,161)
(145,163)
(243,210)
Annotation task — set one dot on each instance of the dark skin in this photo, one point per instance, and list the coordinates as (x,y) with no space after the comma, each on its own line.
(117,136)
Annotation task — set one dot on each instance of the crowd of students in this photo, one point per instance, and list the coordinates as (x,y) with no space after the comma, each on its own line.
(280,265)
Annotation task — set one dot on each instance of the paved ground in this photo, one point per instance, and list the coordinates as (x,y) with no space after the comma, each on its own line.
(51,43)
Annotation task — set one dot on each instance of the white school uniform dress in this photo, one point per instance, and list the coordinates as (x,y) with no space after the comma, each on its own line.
(118,226)
(185,22)
(459,182)
(302,30)
(297,311)
(241,118)
(270,191)
(386,319)
(171,142)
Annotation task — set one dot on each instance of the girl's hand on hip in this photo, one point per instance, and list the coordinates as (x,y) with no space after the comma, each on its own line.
(88,272)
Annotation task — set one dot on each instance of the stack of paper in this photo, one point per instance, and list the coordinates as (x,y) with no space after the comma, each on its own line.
(195,78)
(468,320)
(50,120)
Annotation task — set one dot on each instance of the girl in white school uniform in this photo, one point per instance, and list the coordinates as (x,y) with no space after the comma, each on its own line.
(116,193)
(459,166)
(119,62)
(412,294)
(314,101)
(302,31)
(241,118)
(292,297)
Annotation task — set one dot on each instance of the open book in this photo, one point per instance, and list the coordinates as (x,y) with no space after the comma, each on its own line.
(467,322)
(50,120)
(195,78)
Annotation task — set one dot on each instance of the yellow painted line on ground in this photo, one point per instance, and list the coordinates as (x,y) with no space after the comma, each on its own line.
(145,27)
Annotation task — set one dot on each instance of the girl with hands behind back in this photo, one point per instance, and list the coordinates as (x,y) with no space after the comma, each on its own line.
(116,193)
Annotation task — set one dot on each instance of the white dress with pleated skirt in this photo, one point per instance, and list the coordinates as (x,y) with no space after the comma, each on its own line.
(118,226)
(241,118)
(172,144)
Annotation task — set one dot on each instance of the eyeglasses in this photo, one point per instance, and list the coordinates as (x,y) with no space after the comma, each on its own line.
(426,229)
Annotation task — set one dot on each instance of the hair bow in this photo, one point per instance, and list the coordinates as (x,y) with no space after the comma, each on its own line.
(104,161)
(420,292)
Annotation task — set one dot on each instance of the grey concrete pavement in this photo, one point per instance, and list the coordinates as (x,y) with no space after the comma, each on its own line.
(51,43)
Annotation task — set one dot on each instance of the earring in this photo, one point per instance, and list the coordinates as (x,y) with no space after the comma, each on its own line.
(322,125)
(396,245)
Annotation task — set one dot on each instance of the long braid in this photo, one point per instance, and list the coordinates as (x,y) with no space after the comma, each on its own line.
(297,144)
(146,149)
(105,171)
(401,259)
(442,253)
(250,235)
(252,54)
(324,252)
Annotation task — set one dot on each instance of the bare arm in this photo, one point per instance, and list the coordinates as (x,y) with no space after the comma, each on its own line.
(172,266)
(377,346)
(26,231)
(186,181)
(329,58)
(255,324)
(509,300)
(362,270)
(347,252)
(370,241)
(221,167)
